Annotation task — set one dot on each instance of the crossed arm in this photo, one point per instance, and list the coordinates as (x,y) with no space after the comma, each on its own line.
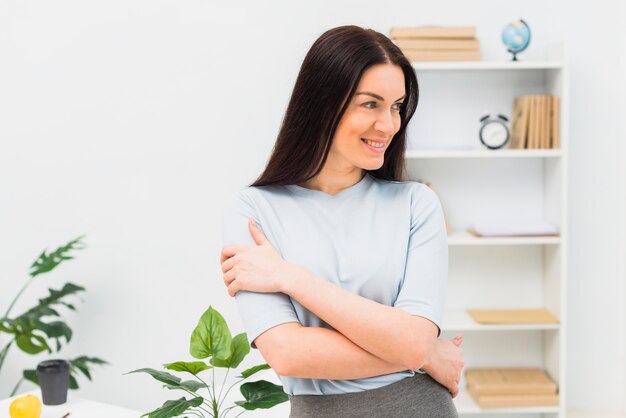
(319,353)
(384,338)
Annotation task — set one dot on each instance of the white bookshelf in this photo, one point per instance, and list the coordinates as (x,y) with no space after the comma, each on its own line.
(475,184)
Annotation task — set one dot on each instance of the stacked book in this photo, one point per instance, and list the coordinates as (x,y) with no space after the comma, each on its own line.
(517,228)
(511,387)
(513,316)
(535,122)
(437,43)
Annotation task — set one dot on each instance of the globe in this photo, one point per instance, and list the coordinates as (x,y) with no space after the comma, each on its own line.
(516,36)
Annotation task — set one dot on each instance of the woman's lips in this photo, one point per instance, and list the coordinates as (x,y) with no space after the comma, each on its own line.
(380,150)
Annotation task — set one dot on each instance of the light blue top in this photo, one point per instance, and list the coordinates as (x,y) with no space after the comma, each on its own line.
(383,240)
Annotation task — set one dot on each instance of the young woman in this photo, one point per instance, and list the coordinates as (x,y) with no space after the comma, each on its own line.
(338,265)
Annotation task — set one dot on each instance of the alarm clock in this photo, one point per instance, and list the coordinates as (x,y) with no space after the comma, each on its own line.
(494,132)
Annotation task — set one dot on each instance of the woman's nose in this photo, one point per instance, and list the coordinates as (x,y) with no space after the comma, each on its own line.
(384,121)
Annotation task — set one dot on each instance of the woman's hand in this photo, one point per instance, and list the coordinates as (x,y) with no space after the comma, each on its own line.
(256,269)
(446,362)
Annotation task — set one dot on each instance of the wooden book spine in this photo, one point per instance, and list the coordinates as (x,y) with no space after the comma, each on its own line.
(556,122)
(433,32)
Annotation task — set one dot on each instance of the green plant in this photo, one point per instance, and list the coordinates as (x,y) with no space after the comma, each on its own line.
(212,338)
(30,333)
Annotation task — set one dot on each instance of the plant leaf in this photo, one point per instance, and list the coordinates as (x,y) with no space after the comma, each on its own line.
(159,375)
(191,385)
(211,337)
(239,349)
(174,408)
(82,364)
(252,370)
(193,367)
(55,329)
(6,325)
(32,343)
(31,375)
(261,394)
(56,296)
(73,382)
(68,305)
(47,262)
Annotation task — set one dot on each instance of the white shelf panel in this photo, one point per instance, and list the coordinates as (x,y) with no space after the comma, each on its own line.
(463,238)
(479,153)
(465,405)
(487,65)
(460,320)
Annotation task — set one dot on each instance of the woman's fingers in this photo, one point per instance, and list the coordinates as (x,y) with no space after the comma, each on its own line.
(454,390)
(233,288)
(228,264)
(229,251)
(229,276)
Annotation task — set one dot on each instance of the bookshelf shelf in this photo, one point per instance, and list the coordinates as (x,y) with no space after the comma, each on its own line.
(475,184)
(462,238)
(502,153)
(460,320)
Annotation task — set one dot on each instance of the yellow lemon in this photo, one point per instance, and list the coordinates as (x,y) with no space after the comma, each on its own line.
(28,406)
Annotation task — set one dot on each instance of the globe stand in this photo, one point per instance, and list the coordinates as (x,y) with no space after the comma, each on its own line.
(516,36)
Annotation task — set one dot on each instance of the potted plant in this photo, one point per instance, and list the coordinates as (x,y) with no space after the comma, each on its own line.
(33,332)
(212,339)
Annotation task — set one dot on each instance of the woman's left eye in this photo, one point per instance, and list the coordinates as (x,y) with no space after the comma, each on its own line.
(398,106)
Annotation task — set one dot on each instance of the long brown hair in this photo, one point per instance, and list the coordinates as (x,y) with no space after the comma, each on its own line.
(328,78)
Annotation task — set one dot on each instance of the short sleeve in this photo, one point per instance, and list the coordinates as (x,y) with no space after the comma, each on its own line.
(425,279)
(258,311)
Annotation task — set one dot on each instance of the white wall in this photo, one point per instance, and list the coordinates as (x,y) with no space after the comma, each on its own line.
(597,290)
(132,121)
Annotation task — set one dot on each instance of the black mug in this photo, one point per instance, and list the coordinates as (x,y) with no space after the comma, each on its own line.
(54,380)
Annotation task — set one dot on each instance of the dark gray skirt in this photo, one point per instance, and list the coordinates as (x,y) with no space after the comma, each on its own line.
(416,396)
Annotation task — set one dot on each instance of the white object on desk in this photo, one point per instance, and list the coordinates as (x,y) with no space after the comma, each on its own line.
(78,408)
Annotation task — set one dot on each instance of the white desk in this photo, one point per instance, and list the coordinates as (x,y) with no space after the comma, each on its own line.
(78,408)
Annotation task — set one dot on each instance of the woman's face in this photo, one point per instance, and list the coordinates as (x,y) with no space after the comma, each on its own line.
(370,120)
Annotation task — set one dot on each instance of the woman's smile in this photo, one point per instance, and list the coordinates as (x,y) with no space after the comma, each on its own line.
(378,146)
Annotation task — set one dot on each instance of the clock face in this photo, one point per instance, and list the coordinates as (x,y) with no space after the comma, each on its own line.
(494,134)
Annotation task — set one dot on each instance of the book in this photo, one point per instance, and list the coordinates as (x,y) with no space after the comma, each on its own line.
(546,121)
(437,44)
(543,121)
(515,123)
(524,122)
(548,132)
(535,122)
(514,228)
(519,123)
(556,106)
(512,316)
(533,140)
(510,401)
(510,381)
(433,32)
(530,139)
(441,55)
